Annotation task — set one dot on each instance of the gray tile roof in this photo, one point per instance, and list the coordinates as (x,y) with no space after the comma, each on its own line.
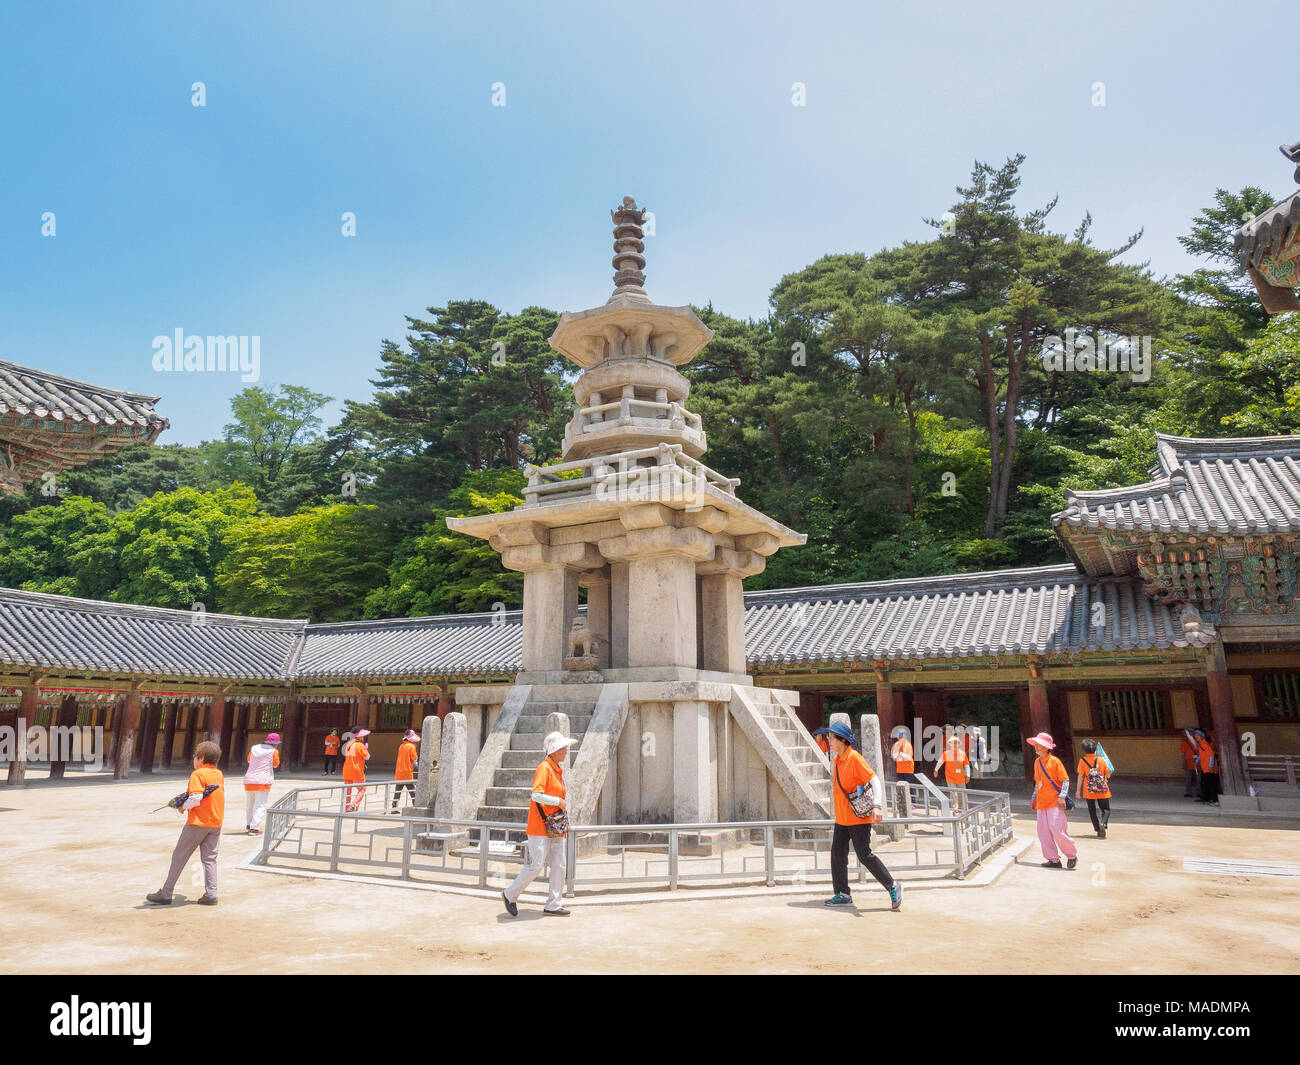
(1268,233)
(1247,485)
(83,635)
(1047,610)
(26,392)
(478,644)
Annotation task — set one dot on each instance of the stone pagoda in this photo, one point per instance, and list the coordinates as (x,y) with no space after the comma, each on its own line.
(651,677)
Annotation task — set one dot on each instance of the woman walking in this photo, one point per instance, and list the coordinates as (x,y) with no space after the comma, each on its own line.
(851,779)
(1051,798)
(1094,785)
(545,850)
(354,769)
(263,761)
(332,745)
(901,752)
(405,774)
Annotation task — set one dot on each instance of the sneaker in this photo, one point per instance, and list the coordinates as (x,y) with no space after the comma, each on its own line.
(896,897)
(839,899)
(1215,802)
(511,908)
(1102,833)
(1071,863)
(158,899)
(208,900)
(561,912)
(1051,865)
(254,831)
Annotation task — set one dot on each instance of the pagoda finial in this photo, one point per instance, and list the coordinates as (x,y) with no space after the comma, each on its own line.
(628,262)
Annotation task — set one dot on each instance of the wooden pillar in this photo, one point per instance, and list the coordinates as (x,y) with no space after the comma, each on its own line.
(169,732)
(113,724)
(887,712)
(226,728)
(150,718)
(25,716)
(126,741)
(812,710)
(236,750)
(1040,714)
(373,713)
(1232,769)
(293,715)
(446,704)
(192,710)
(65,718)
(1026,730)
(1061,730)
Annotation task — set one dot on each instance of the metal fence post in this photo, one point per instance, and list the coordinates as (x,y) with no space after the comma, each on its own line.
(407,828)
(672,859)
(334,845)
(769,855)
(570,862)
(483,834)
(958,838)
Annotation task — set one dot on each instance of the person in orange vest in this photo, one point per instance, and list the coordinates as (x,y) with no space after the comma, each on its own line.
(851,777)
(205,812)
(901,752)
(955,767)
(405,775)
(1208,759)
(1191,771)
(331,753)
(819,738)
(1050,800)
(1094,785)
(545,851)
(354,769)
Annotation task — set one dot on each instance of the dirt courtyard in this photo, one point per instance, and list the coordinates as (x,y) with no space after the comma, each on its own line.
(78,857)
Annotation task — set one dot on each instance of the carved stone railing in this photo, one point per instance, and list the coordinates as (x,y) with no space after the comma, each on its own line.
(671,476)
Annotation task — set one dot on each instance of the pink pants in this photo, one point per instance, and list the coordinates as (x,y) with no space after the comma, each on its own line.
(1053,833)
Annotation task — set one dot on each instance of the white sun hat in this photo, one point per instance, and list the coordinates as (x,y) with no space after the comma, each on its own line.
(555,741)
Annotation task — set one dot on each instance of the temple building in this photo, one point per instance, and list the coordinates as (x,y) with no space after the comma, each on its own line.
(50,423)
(1178,608)
(1269,248)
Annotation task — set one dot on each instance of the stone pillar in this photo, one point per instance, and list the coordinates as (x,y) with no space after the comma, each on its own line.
(169,732)
(26,715)
(694,796)
(869,733)
(723,612)
(450,801)
(843,718)
(661,611)
(550,601)
(598,616)
(1232,769)
(426,776)
(126,745)
(557,721)
(618,615)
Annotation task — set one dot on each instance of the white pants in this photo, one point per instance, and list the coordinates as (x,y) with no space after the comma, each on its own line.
(257,801)
(548,853)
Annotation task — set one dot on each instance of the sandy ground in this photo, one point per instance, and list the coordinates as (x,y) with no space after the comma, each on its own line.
(77,858)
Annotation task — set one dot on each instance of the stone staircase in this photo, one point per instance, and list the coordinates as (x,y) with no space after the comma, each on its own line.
(507,798)
(806,755)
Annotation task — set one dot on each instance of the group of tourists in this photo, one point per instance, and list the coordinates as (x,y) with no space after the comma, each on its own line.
(1200,767)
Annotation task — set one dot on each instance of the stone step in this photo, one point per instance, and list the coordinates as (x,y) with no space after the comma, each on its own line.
(508,796)
(513,778)
(537,723)
(521,759)
(515,815)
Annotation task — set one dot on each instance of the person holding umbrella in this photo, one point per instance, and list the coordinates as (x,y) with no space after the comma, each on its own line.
(856,809)
(354,769)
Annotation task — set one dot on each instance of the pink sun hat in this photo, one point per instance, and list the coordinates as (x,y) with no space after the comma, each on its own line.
(1043,739)
(361,732)
(411,736)
(274,737)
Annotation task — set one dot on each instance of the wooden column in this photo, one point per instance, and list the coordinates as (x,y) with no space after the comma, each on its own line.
(229,709)
(65,718)
(1040,714)
(235,751)
(169,732)
(25,716)
(887,714)
(192,710)
(1232,769)
(293,722)
(113,719)
(446,704)
(812,710)
(150,719)
(126,741)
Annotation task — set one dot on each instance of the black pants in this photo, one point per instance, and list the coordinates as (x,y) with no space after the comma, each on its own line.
(861,837)
(909,777)
(331,763)
(408,785)
(1210,787)
(1104,806)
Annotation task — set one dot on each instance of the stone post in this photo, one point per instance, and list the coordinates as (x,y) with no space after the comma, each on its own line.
(450,801)
(598,616)
(723,609)
(695,798)
(550,601)
(869,734)
(426,778)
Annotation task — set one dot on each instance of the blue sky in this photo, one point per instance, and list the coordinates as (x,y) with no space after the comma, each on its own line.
(226,219)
